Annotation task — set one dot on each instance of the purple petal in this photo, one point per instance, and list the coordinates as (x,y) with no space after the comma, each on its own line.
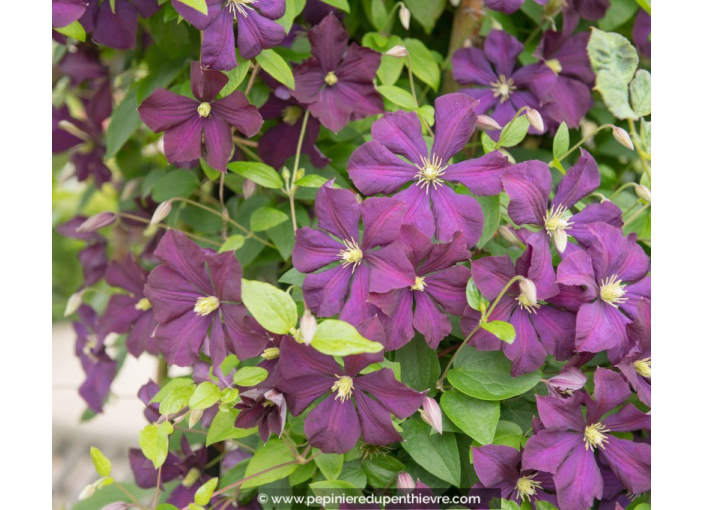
(578,480)
(418,211)
(140,338)
(528,186)
(325,292)
(505,6)
(627,419)
(568,101)
(237,111)
(456,213)
(310,79)
(374,169)
(377,427)
(328,42)
(471,67)
(257,33)
(429,320)
(300,360)
(393,395)
(610,391)
(164,110)
(239,336)
(217,350)
(496,464)
(580,181)
(197,18)
(556,329)
(96,388)
(481,175)
(398,307)
(548,449)
(333,426)
(561,413)
(526,353)
(127,275)
(600,326)
(218,142)
(540,270)
(373,330)
(491,274)
(605,212)
(401,133)
(272,9)
(447,287)
(120,313)
(502,49)
(226,274)
(641,33)
(183,142)
(390,269)
(170,294)
(357,309)
(218,42)
(630,462)
(314,249)
(302,391)
(382,221)
(454,124)
(65,12)
(119,29)
(180,340)
(417,246)
(186,258)
(205,84)
(338,213)
(576,269)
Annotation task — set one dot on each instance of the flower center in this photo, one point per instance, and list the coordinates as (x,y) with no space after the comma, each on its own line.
(503,87)
(343,387)
(291,114)
(555,65)
(643,367)
(204,109)
(268,403)
(239,6)
(143,304)
(612,291)
(526,487)
(271,353)
(330,78)
(595,436)
(525,304)
(206,305)
(420,284)
(352,255)
(430,172)
(557,225)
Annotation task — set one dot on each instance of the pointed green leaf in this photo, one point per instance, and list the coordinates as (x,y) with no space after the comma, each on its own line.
(338,338)
(273,308)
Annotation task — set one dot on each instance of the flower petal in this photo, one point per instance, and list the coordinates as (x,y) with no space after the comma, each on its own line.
(218,142)
(375,169)
(546,450)
(456,213)
(183,142)
(526,353)
(447,288)
(610,391)
(170,294)
(580,181)
(301,392)
(382,221)
(429,320)
(578,480)
(491,274)
(205,84)
(314,249)
(338,212)
(398,307)
(217,49)
(186,258)
(496,464)
(197,18)
(502,50)
(325,292)
(333,426)
(116,29)
(528,186)
(256,33)
(418,211)
(164,110)
(238,112)
(180,340)
(556,329)
(377,427)
(393,395)
(481,175)
(226,274)
(328,42)
(600,327)
(357,309)
(576,269)
(401,133)
(300,360)
(471,67)
(390,269)
(454,124)
(630,462)
(561,413)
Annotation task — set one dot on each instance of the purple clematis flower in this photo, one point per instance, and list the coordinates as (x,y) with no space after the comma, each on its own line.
(613,271)
(145,476)
(568,445)
(528,185)
(641,33)
(256,30)
(509,6)
(262,408)
(99,368)
(191,123)
(93,258)
(117,29)
(636,365)
(335,424)
(570,97)
(363,268)
(432,206)
(130,313)
(541,329)
(505,90)
(337,81)
(499,467)
(65,12)
(439,285)
(194,294)
(146,393)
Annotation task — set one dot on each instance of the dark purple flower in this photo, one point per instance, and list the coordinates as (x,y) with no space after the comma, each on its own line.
(636,365)
(315,11)
(362,267)
(432,206)
(130,313)
(568,445)
(145,476)
(570,97)
(194,294)
(262,408)
(503,89)
(528,185)
(146,393)
(499,467)
(65,12)
(335,424)
(569,380)
(116,29)
(256,29)
(99,368)
(82,63)
(439,289)
(191,123)
(641,33)
(541,329)
(592,10)
(613,272)
(93,258)
(337,81)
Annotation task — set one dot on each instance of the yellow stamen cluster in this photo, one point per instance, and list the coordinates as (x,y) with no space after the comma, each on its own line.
(643,367)
(612,291)
(204,109)
(525,304)
(503,88)
(557,225)
(420,284)
(240,6)
(143,305)
(343,387)
(527,487)
(330,78)
(351,255)
(595,436)
(271,353)
(291,114)
(430,172)
(206,305)
(555,65)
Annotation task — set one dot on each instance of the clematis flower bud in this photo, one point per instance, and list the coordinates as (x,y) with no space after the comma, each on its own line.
(161,212)
(87,492)
(397,51)
(405,16)
(308,327)
(194,417)
(567,382)
(431,414)
(248,188)
(535,119)
(455,3)
(509,235)
(97,221)
(74,302)
(405,481)
(528,291)
(643,193)
(622,137)
(486,123)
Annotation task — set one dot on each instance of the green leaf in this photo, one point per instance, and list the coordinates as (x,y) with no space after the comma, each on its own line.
(561,143)
(546,505)
(338,338)
(234,242)
(382,471)
(235,76)
(330,464)
(265,218)
(160,77)
(273,308)
(391,67)
(614,60)
(273,453)
(206,394)
(426,12)
(177,399)
(420,367)
(123,123)
(508,434)
(514,132)
(475,300)
(154,442)
(198,5)
(491,207)
(277,67)
(169,387)
(205,492)
(260,173)
(74,30)
(423,65)
(311,181)
(427,113)
(488,144)
(477,418)
(397,96)
(340,4)
(223,427)
(437,454)
(645,5)
(640,93)
(100,461)
(509,505)
(502,330)
(487,375)
(176,183)
(619,12)
(210,172)
(250,376)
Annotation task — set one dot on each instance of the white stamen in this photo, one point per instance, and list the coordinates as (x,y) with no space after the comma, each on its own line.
(430,172)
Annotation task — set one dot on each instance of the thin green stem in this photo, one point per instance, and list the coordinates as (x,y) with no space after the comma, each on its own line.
(413,93)
(132,498)
(294,173)
(225,214)
(636,214)
(619,190)
(158,483)
(252,77)
(249,152)
(390,17)
(641,153)
(166,227)
(578,144)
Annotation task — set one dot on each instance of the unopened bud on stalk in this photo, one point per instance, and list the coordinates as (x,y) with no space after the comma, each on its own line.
(194,417)
(161,212)
(486,123)
(248,188)
(622,137)
(397,51)
(643,193)
(308,327)
(455,3)
(87,492)
(74,302)
(405,481)
(535,119)
(509,235)
(286,174)
(405,16)
(528,291)
(431,414)
(567,382)
(97,221)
